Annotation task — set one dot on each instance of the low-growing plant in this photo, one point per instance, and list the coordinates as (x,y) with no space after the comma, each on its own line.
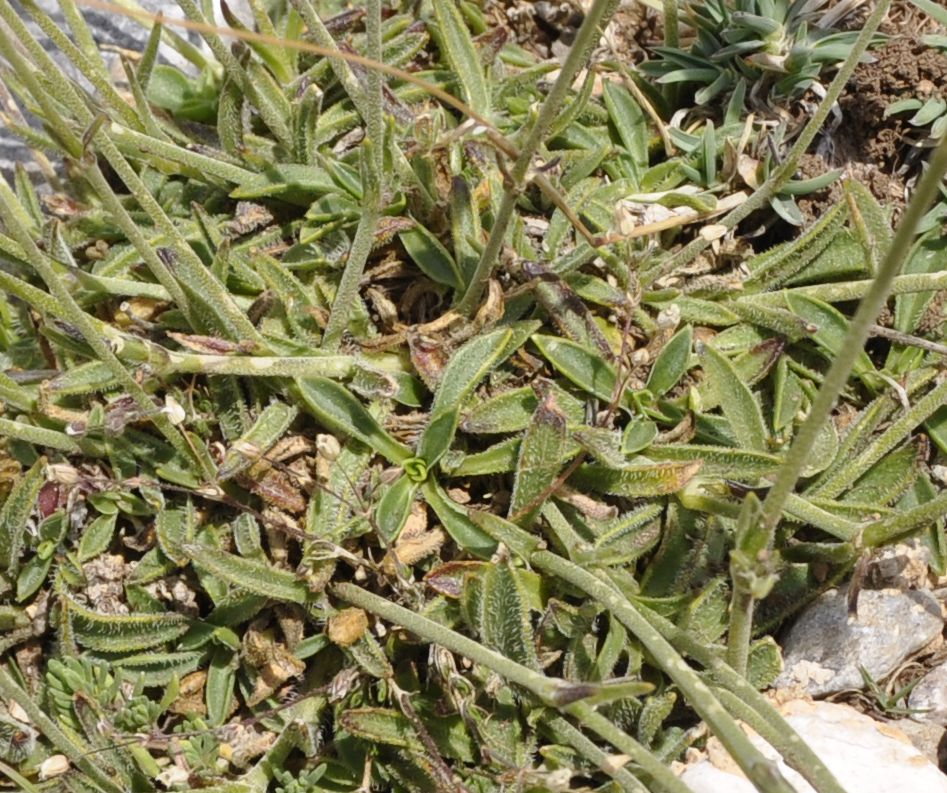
(359,431)
(768,50)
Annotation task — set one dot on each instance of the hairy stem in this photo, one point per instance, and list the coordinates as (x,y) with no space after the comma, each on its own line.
(869,308)
(780,734)
(550,691)
(757,768)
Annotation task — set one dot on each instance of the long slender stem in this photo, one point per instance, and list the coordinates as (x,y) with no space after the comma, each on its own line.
(661,779)
(837,376)
(757,768)
(740,629)
(787,170)
(671,36)
(853,290)
(780,734)
(585,39)
(563,731)
(334,366)
(548,690)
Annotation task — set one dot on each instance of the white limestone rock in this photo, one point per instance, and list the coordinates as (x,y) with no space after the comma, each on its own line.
(864,755)
(929,697)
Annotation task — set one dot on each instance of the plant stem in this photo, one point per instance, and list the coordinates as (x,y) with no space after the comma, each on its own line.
(334,366)
(671,36)
(787,170)
(854,290)
(740,629)
(585,39)
(550,691)
(563,731)
(780,734)
(661,778)
(757,768)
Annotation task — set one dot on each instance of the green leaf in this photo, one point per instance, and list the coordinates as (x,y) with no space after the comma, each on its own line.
(16,512)
(394,508)
(671,364)
(628,537)
(122,633)
(219,687)
(636,480)
(505,624)
(584,367)
(630,122)
(933,108)
(456,523)
(832,329)
(32,576)
(903,106)
(337,409)
(541,450)
(268,428)
(739,406)
(433,259)
(390,728)
(97,537)
(250,574)
(455,43)
(511,411)
(467,367)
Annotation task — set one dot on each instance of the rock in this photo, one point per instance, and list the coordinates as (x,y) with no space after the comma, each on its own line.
(929,697)
(863,754)
(905,565)
(113,31)
(826,646)
(928,738)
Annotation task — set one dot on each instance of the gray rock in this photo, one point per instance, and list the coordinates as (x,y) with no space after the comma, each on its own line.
(826,646)
(929,697)
(111,31)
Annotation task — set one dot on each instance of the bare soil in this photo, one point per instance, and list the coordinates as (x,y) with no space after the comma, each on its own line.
(868,144)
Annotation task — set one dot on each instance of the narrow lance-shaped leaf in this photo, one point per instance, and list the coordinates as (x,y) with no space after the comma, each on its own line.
(455,42)
(736,400)
(335,407)
(250,574)
(461,529)
(268,428)
(394,507)
(468,366)
(582,366)
(671,363)
(122,633)
(16,512)
(636,480)
(541,450)
(505,624)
